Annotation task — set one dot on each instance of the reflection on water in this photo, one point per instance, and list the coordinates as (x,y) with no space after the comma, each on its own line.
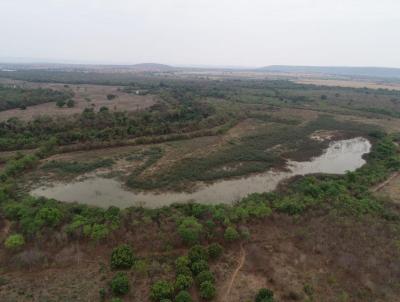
(341,156)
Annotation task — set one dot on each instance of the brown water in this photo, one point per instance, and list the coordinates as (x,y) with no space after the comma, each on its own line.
(339,157)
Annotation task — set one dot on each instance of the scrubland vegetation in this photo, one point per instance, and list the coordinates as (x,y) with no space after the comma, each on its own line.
(195,242)
(16,97)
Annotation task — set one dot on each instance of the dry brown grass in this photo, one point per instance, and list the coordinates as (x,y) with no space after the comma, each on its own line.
(96,93)
(349,83)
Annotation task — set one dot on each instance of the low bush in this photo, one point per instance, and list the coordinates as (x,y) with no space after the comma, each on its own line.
(14,242)
(205,276)
(190,230)
(183,296)
(161,290)
(199,266)
(197,253)
(207,290)
(182,265)
(183,282)
(231,234)
(122,257)
(120,284)
(264,295)
(215,250)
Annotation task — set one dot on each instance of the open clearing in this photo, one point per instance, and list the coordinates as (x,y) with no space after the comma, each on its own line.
(350,83)
(85,96)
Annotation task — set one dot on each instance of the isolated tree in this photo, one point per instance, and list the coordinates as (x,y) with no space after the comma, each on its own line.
(14,242)
(231,234)
(122,257)
(60,103)
(265,295)
(215,250)
(70,103)
(120,284)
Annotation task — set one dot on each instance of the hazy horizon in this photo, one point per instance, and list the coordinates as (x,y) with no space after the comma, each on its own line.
(208,33)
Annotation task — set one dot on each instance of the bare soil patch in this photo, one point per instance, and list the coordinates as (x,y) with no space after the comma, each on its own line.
(389,189)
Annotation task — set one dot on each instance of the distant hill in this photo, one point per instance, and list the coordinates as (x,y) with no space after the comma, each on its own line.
(375,72)
(152,67)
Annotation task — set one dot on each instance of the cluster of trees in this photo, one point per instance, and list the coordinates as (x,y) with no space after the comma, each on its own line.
(18,97)
(191,269)
(61,103)
(107,126)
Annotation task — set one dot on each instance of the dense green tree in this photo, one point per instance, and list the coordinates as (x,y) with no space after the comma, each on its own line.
(183,296)
(264,295)
(122,257)
(120,284)
(199,266)
(70,103)
(190,230)
(183,281)
(197,253)
(60,103)
(205,275)
(215,250)
(161,290)
(231,234)
(207,290)
(49,216)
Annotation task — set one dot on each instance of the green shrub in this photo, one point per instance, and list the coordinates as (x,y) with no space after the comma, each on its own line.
(264,295)
(70,103)
(116,300)
(205,276)
(14,242)
(207,290)
(102,294)
(140,266)
(183,282)
(199,266)
(231,234)
(49,216)
(182,266)
(190,230)
(291,206)
(197,253)
(161,290)
(96,231)
(120,284)
(183,296)
(215,250)
(60,103)
(122,257)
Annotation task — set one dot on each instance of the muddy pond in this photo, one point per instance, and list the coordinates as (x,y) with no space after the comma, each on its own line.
(339,157)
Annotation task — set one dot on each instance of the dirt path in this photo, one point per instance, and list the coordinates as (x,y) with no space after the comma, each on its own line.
(385,183)
(234,275)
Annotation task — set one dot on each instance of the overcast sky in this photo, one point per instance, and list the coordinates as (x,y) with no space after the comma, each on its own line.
(203,32)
